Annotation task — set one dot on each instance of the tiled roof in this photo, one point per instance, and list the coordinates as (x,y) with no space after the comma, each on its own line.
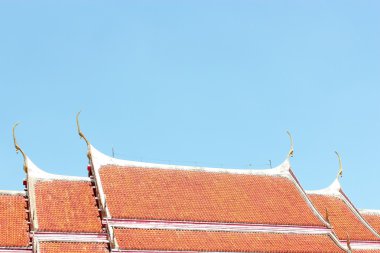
(13,220)
(72,247)
(342,218)
(216,241)
(188,195)
(373,218)
(66,206)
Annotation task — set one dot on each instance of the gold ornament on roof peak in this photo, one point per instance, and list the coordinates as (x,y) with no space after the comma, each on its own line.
(84,138)
(80,132)
(340,172)
(17,147)
(291,151)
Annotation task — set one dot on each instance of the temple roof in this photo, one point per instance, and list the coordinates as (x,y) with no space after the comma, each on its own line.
(345,219)
(13,220)
(148,191)
(221,241)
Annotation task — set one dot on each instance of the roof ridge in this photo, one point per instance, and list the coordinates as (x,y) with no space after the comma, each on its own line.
(39,174)
(12,192)
(103,159)
(370,211)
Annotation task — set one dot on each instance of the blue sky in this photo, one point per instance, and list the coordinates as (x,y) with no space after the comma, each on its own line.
(212,83)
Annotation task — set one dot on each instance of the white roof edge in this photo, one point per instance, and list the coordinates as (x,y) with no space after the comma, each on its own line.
(369,211)
(333,189)
(39,174)
(12,192)
(102,160)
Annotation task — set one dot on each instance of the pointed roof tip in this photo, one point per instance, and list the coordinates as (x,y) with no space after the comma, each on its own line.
(340,171)
(335,187)
(291,150)
(82,136)
(18,148)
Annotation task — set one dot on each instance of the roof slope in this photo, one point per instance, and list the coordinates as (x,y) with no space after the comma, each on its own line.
(62,203)
(343,216)
(164,192)
(372,217)
(219,241)
(63,206)
(13,223)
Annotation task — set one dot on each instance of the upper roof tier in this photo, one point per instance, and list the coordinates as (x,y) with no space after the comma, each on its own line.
(13,222)
(136,190)
(345,219)
(61,203)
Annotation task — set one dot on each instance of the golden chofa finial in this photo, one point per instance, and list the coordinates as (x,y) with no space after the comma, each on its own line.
(80,132)
(17,147)
(84,138)
(291,151)
(340,172)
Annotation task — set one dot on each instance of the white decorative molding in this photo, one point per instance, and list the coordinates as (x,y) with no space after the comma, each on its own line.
(13,193)
(70,237)
(370,212)
(15,250)
(214,226)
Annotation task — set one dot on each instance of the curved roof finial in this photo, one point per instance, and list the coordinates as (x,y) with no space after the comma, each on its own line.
(340,172)
(80,132)
(17,147)
(291,151)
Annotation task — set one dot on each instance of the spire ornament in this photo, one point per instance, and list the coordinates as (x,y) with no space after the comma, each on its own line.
(291,151)
(340,172)
(80,132)
(17,147)
(82,136)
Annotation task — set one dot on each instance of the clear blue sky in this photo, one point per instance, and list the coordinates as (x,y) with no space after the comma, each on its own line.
(213,83)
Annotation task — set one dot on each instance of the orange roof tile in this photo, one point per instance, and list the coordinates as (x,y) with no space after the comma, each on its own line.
(66,206)
(72,247)
(186,240)
(373,219)
(342,218)
(13,221)
(185,195)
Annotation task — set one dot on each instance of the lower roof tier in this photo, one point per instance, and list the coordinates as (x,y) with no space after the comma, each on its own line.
(345,221)
(72,247)
(221,241)
(13,220)
(65,206)
(373,218)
